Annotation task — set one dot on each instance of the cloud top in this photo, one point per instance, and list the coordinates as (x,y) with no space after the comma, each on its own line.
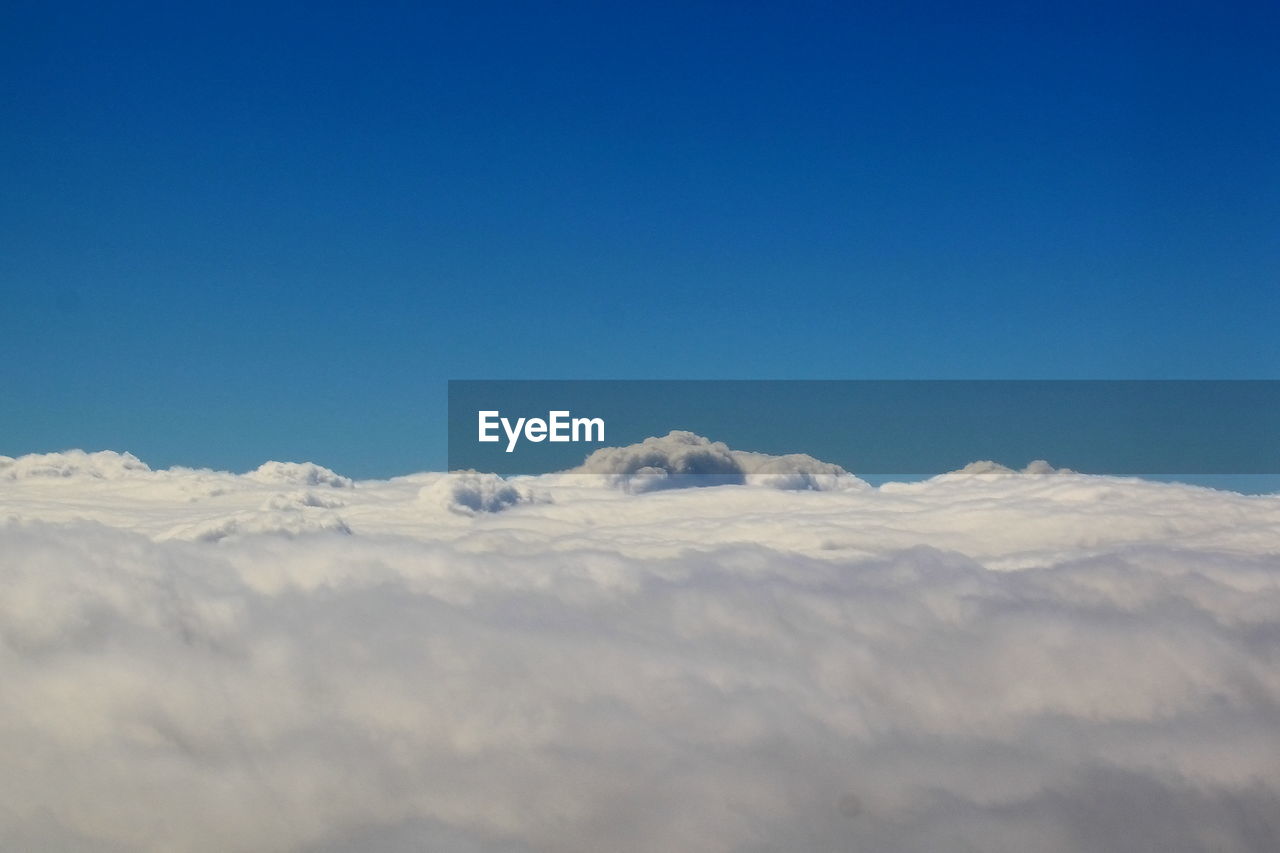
(471,492)
(298,474)
(103,465)
(682,459)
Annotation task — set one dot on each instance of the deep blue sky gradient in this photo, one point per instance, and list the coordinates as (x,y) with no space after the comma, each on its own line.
(239,232)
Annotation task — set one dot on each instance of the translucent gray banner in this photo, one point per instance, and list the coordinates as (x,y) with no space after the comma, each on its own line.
(881,427)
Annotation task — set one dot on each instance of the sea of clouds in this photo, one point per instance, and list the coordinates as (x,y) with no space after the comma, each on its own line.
(783,659)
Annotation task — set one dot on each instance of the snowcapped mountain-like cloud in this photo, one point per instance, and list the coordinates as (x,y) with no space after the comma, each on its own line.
(986,466)
(298,474)
(682,459)
(1048,663)
(103,465)
(470,492)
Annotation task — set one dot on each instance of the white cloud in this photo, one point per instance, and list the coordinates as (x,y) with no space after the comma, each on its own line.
(987,467)
(469,492)
(301,500)
(299,474)
(104,465)
(289,520)
(682,459)
(706,669)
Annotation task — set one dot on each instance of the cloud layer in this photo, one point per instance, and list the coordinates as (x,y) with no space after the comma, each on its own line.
(979,662)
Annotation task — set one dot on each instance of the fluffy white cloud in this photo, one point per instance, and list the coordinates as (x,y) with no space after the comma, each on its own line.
(298,474)
(1012,663)
(469,492)
(1038,467)
(103,465)
(682,459)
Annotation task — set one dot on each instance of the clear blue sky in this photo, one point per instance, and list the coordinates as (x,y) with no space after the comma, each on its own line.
(239,232)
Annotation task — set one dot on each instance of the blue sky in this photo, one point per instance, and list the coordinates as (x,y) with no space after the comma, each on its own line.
(234,233)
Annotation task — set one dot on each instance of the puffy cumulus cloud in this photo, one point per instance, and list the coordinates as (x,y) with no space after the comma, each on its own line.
(794,471)
(470,492)
(1039,467)
(298,474)
(103,465)
(656,462)
(702,669)
(682,459)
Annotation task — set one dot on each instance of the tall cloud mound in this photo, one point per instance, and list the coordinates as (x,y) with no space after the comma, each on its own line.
(682,459)
(988,468)
(69,464)
(298,474)
(795,472)
(471,492)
